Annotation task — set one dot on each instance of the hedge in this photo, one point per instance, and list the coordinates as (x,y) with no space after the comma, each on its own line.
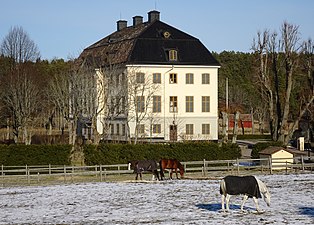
(107,154)
(20,155)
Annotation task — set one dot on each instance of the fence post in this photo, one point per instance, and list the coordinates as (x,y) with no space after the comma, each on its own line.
(204,167)
(100,172)
(28,175)
(65,172)
(286,167)
(2,175)
(49,169)
(302,162)
(238,167)
(270,165)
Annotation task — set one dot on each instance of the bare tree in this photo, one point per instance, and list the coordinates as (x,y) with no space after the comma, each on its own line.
(279,60)
(21,93)
(22,98)
(18,46)
(141,90)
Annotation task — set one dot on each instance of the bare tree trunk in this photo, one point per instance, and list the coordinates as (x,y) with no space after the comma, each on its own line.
(224,127)
(235,127)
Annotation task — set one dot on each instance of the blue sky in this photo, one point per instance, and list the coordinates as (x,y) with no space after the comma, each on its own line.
(63,28)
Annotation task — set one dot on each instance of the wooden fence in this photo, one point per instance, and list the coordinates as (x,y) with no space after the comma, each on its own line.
(47,174)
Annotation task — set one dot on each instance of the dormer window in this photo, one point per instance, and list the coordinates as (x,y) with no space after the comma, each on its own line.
(173,55)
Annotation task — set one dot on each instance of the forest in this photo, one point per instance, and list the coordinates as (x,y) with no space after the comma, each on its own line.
(274,82)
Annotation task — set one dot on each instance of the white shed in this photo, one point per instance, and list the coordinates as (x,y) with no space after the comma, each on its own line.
(280,156)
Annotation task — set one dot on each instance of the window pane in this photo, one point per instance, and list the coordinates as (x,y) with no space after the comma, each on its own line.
(173,104)
(173,55)
(140,103)
(156,128)
(205,78)
(205,104)
(189,129)
(189,78)
(140,78)
(205,129)
(156,103)
(141,128)
(189,103)
(157,78)
(172,78)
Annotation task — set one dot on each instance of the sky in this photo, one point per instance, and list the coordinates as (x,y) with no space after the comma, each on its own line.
(63,28)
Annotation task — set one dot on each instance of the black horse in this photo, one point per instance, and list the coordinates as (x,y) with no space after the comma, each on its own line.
(140,166)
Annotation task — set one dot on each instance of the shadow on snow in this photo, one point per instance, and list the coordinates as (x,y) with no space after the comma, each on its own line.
(215,207)
(309,211)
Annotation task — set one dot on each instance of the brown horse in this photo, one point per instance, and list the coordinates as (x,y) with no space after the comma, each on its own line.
(172,164)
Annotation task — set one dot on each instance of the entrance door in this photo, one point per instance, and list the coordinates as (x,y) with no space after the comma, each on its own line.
(173,133)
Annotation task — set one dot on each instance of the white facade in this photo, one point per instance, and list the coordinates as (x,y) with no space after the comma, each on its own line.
(197,120)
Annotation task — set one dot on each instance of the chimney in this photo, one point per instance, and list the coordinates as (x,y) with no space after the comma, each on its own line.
(137,20)
(121,24)
(153,15)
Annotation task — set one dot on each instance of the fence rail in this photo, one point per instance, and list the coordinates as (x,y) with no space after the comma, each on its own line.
(15,175)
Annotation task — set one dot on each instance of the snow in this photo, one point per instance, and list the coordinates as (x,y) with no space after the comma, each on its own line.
(164,202)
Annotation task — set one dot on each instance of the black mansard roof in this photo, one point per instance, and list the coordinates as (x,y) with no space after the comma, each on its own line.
(147,43)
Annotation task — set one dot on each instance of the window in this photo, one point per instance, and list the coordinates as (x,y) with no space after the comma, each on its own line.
(156,104)
(123,129)
(117,80)
(189,103)
(156,128)
(118,129)
(173,55)
(172,78)
(118,108)
(205,78)
(123,79)
(189,129)
(112,129)
(140,103)
(123,105)
(189,78)
(205,128)
(141,128)
(140,78)
(205,104)
(173,104)
(156,78)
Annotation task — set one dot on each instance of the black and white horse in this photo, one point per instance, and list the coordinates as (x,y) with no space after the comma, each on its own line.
(249,186)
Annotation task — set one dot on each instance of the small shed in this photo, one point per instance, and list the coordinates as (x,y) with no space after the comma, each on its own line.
(280,156)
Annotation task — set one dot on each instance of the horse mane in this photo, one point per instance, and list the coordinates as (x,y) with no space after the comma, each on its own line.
(261,185)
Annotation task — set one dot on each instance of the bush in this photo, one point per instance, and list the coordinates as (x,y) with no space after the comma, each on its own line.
(20,155)
(107,154)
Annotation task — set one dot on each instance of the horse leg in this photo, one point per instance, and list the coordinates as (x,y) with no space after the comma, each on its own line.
(141,176)
(227,201)
(136,176)
(256,204)
(171,174)
(156,173)
(176,173)
(223,202)
(245,197)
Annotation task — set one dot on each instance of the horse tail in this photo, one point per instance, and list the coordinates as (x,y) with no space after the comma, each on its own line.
(162,175)
(223,189)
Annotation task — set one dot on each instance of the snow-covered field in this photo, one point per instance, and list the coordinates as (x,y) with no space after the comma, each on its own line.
(166,202)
